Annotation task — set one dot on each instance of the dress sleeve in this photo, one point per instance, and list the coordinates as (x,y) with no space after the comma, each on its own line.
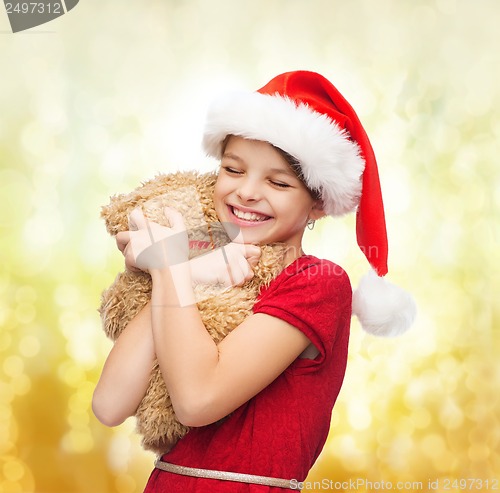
(315,298)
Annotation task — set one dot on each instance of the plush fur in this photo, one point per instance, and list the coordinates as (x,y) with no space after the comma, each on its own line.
(221,310)
(382,308)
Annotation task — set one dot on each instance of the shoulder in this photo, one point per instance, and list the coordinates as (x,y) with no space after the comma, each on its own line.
(309,269)
(309,273)
(313,295)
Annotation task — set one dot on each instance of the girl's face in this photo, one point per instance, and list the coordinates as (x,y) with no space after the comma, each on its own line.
(260,195)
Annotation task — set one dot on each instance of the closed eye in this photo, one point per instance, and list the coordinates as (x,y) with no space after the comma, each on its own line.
(228,169)
(281,185)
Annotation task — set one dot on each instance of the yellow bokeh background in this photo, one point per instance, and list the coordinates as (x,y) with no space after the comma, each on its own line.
(113,92)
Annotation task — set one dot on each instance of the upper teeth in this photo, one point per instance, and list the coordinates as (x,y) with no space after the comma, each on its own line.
(249,216)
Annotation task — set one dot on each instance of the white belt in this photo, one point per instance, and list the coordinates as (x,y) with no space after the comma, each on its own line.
(225,476)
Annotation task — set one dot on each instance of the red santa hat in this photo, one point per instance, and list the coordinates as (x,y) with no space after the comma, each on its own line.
(303,114)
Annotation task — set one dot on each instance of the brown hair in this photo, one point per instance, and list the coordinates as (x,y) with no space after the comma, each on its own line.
(292,161)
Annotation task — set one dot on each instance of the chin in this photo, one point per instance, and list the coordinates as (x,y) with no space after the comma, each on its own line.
(248,238)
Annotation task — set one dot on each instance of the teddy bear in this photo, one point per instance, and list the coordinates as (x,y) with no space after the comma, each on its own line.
(222,308)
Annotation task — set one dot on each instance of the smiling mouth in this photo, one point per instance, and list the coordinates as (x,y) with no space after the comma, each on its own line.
(249,216)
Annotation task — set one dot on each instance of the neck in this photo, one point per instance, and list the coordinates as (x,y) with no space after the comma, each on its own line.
(292,254)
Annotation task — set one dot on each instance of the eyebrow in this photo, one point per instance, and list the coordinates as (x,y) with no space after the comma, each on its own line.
(283,171)
(232,156)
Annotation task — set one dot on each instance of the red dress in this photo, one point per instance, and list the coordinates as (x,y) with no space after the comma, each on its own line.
(280,431)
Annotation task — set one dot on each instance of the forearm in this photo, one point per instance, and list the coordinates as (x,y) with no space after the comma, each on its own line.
(125,376)
(186,353)
(188,357)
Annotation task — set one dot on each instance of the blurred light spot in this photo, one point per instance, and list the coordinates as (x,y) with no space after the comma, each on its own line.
(125,484)
(397,192)
(5,412)
(16,476)
(6,428)
(29,346)
(347,450)
(93,244)
(53,116)
(35,139)
(359,414)
(13,366)
(119,451)
(451,416)
(477,102)
(25,313)
(77,441)
(5,276)
(478,452)
(26,294)
(447,138)
(81,339)
(81,399)
(47,228)
(78,419)
(14,185)
(444,462)
(71,374)
(398,452)
(96,138)
(405,426)
(21,385)
(5,340)
(421,417)
(13,470)
(10,487)
(67,295)
(415,392)
(433,445)
(446,242)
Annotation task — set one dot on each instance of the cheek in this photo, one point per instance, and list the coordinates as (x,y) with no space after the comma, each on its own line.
(220,192)
(223,187)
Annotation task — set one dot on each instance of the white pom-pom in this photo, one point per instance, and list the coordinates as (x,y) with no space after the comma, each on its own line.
(382,308)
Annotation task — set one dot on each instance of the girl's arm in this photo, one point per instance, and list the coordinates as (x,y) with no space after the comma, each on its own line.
(125,376)
(205,381)
(208,381)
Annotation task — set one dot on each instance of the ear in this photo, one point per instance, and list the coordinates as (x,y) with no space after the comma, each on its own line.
(317,211)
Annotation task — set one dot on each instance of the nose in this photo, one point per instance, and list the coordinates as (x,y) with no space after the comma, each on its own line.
(248,190)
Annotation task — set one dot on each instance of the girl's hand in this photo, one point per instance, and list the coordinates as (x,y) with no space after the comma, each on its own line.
(152,246)
(231,265)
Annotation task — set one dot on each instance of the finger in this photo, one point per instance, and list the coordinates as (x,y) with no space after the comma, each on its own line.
(130,261)
(252,251)
(174,218)
(137,220)
(245,269)
(232,280)
(122,240)
(253,261)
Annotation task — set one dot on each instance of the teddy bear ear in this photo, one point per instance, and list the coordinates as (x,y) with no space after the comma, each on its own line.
(115,214)
(382,308)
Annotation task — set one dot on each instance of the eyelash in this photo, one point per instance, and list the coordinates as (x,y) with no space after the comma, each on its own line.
(281,185)
(232,171)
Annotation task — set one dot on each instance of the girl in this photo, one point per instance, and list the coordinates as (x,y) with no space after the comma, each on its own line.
(259,403)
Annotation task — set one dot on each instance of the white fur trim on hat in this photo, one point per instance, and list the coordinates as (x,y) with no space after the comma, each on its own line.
(330,161)
(382,308)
